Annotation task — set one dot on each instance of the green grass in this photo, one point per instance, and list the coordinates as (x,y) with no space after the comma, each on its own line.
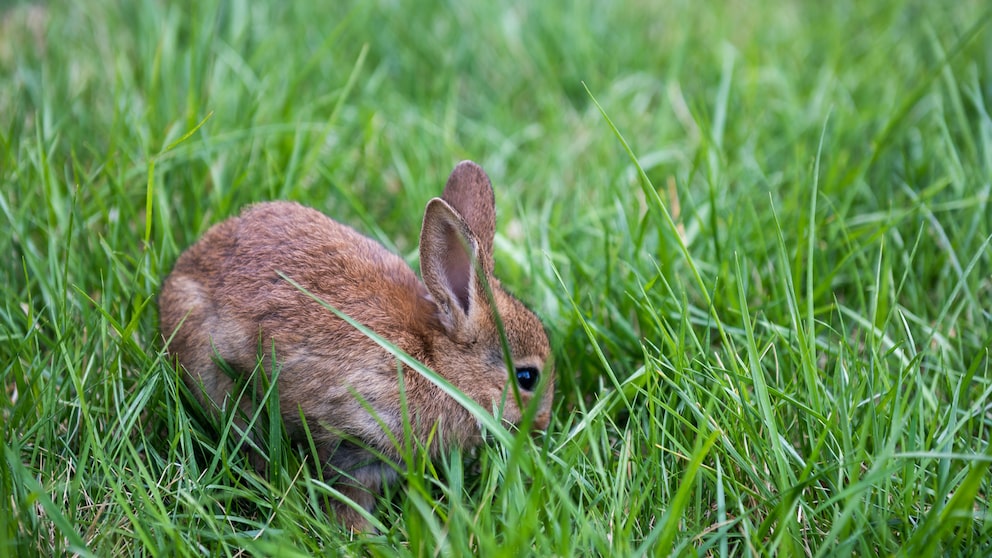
(760,235)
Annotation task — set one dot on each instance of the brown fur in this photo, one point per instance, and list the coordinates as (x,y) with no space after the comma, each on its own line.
(226,299)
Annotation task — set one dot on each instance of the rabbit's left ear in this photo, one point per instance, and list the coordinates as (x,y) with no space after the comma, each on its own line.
(470,194)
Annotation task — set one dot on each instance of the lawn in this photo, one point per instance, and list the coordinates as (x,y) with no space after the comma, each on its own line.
(759,235)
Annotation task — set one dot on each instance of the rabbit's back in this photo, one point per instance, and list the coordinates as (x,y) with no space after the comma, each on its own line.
(331,260)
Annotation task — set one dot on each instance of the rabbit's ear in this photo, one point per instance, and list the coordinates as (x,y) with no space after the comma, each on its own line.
(470,193)
(448,249)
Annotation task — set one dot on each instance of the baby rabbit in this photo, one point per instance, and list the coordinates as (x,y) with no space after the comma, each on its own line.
(225,300)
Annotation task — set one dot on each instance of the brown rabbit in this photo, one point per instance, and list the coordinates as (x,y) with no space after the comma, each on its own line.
(225,299)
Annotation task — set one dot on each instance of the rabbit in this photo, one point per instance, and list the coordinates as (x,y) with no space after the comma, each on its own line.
(225,299)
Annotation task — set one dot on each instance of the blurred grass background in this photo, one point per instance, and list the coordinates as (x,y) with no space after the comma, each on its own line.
(771,331)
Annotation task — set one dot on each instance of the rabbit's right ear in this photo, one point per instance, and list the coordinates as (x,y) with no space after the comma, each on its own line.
(448,252)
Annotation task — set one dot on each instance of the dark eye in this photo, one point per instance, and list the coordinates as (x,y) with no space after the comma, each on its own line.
(527,377)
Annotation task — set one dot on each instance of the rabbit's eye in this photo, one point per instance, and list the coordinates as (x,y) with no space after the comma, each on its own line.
(527,377)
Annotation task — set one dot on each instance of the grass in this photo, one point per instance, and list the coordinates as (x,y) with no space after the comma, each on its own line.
(759,234)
